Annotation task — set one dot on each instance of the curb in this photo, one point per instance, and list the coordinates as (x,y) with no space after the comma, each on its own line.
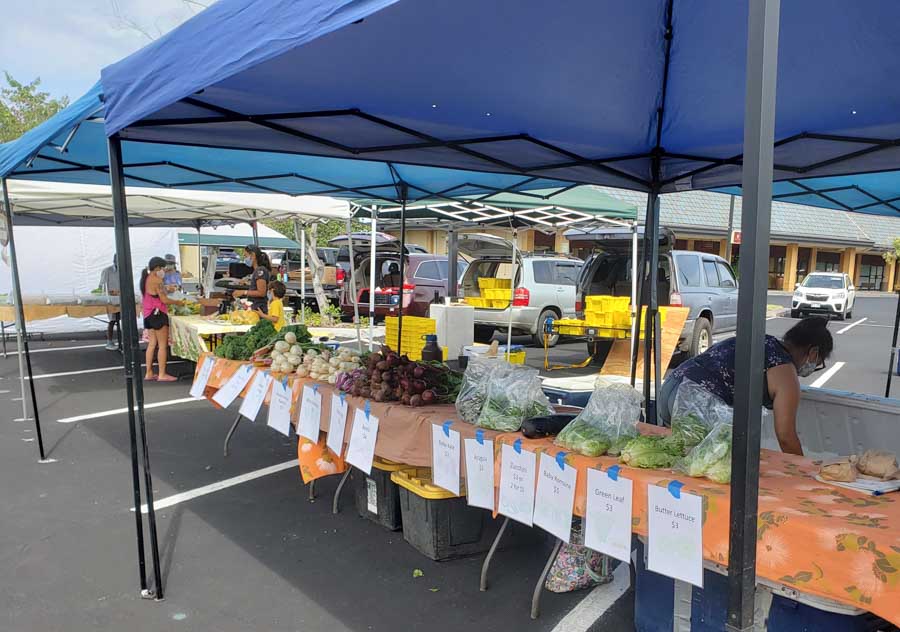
(778,313)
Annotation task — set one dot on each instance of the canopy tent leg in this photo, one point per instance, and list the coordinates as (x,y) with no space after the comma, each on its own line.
(132,370)
(353,285)
(404,193)
(634,298)
(255,228)
(651,239)
(512,292)
(891,366)
(300,235)
(639,305)
(21,333)
(199,260)
(759,137)
(372,262)
(452,263)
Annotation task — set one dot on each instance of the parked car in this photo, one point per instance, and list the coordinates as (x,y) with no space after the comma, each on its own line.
(703,283)
(824,293)
(544,286)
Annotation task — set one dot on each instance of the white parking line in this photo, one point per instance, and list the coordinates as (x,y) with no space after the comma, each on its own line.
(852,325)
(827,375)
(124,409)
(596,603)
(106,368)
(31,351)
(214,487)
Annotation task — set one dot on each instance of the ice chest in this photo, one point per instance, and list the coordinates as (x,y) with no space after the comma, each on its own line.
(377,497)
(657,607)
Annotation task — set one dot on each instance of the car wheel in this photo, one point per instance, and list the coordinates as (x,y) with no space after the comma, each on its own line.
(702,339)
(539,336)
(483,333)
(850,314)
(842,316)
(795,313)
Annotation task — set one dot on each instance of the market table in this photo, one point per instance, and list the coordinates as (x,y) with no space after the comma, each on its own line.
(190,335)
(43,311)
(814,538)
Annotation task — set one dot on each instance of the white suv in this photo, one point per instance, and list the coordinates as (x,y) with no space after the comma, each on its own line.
(824,293)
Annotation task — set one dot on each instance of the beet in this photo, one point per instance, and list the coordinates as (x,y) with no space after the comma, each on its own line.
(419,372)
(415,400)
(404,384)
(428,396)
(378,396)
(417,386)
(398,393)
(404,360)
(405,400)
(384,365)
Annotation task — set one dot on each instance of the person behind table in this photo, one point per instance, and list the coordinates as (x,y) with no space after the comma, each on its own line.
(259,279)
(172,278)
(109,283)
(155,304)
(276,305)
(801,352)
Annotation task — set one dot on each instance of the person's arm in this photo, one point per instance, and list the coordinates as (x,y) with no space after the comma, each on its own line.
(268,317)
(161,292)
(784,388)
(260,290)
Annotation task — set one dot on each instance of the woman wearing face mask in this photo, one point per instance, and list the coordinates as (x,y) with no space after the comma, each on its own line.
(154,303)
(259,280)
(802,351)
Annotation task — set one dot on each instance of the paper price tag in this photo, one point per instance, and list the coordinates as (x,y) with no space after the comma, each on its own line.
(337,424)
(445,458)
(233,387)
(256,395)
(280,408)
(202,378)
(607,517)
(480,473)
(555,496)
(675,534)
(310,414)
(517,484)
(361,449)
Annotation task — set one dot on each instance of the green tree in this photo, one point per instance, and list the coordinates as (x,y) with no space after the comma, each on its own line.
(326,231)
(892,255)
(23,106)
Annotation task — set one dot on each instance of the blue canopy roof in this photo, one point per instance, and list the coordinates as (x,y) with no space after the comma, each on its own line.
(467,84)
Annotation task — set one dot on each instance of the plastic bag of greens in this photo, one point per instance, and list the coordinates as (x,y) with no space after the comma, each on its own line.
(513,395)
(695,413)
(607,423)
(474,386)
(711,457)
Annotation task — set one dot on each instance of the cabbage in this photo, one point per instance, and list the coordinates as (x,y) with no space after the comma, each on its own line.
(649,451)
(582,437)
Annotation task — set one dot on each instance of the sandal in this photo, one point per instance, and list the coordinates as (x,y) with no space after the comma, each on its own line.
(150,378)
(168,378)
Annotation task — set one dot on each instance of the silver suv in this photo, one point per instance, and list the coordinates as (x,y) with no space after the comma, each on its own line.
(544,287)
(702,282)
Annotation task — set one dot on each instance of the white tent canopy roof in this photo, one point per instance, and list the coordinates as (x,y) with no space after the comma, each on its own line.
(47,203)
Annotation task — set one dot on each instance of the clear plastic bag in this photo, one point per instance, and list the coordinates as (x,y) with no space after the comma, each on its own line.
(711,457)
(473,390)
(695,413)
(513,395)
(607,422)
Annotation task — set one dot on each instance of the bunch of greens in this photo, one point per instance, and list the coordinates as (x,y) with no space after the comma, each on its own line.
(581,437)
(473,389)
(242,346)
(607,423)
(500,413)
(711,457)
(650,451)
(513,395)
(689,428)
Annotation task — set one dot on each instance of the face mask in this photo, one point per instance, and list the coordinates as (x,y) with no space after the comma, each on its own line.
(271,296)
(248,261)
(807,368)
(160,273)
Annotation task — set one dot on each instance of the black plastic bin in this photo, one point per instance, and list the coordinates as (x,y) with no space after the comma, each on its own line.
(377,497)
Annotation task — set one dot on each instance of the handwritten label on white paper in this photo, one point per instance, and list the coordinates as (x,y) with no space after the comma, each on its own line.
(280,408)
(555,496)
(517,484)
(337,424)
(480,473)
(233,387)
(310,414)
(202,378)
(445,458)
(607,516)
(361,449)
(675,535)
(256,395)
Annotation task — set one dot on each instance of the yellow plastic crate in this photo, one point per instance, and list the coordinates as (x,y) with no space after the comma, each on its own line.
(486,284)
(386,465)
(418,481)
(500,304)
(598,319)
(569,326)
(475,301)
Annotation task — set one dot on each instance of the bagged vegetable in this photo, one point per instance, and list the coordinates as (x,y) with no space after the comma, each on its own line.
(606,424)
(711,457)
(840,470)
(513,395)
(649,451)
(878,464)
(474,386)
(695,413)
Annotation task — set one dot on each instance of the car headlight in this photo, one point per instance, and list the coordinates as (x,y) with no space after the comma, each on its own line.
(798,294)
(839,295)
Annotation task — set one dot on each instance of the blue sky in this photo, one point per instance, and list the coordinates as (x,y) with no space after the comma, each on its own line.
(67,42)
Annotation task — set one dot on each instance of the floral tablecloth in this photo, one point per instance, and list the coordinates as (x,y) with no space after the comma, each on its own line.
(187,334)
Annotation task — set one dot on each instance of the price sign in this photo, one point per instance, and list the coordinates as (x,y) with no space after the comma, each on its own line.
(337,423)
(202,378)
(361,449)
(233,387)
(445,457)
(675,533)
(555,496)
(280,408)
(480,471)
(517,483)
(607,519)
(310,413)
(256,395)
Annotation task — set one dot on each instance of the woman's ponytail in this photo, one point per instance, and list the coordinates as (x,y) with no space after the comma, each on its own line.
(144,274)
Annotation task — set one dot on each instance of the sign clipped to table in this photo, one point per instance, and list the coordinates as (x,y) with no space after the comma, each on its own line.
(337,423)
(517,483)
(480,471)
(233,387)
(555,495)
(361,449)
(280,407)
(202,378)
(607,516)
(310,413)
(445,457)
(675,533)
(256,395)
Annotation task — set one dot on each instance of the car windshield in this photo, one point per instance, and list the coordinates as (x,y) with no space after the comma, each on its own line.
(824,282)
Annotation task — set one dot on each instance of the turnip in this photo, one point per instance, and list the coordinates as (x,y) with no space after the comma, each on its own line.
(282,346)
(290,338)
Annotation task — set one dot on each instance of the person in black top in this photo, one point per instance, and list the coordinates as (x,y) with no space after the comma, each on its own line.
(259,279)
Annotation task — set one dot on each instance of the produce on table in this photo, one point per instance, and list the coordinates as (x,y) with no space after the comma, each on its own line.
(689,428)
(188,309)
(608,421)
(878,463)
(513,395)
(473,390)
(711,457)
(243,317)
(649,451)
(242,346)
(843,470)
(584,438)
(389,377)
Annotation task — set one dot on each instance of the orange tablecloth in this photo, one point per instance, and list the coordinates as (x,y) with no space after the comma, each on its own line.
(816,538)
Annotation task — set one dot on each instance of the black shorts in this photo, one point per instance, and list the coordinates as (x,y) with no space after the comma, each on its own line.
(156,320)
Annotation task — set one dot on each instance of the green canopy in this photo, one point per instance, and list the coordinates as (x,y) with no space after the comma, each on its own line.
(236,241)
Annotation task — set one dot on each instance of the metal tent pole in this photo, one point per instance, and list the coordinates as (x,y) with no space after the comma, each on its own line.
(133,365)
(512,292)
(404,192)
(353,284)
(300,235)
(253,225)
(21,332)
(634,299)
(199,261)
(651,229)
(891,367)
(372,263)
(759,136)
(452,262)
